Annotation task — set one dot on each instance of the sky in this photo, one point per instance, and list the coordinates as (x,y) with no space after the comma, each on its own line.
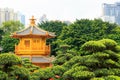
(58,9)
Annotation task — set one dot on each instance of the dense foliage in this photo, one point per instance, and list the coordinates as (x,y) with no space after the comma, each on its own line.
(8,44)
(55,27)
(52,26)
(9,27)
(6,29)
(95,61)
(85,30)
(10,69)
(28,64)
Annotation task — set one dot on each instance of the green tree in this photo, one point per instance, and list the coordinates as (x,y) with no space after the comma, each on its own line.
(53,26)
(85,30)
(8,60)
(62,58)
(6,29)
(11,68)
(42,74)
(8,44)
(19,73)
(96,62)
(26,63)
(9,27)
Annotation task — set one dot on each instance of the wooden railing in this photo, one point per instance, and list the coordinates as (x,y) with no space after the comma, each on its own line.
(47,49)
(33,50)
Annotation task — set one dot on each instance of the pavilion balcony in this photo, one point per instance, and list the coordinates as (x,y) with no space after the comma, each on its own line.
(33,50)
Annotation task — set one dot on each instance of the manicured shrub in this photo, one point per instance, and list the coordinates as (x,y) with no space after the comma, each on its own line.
(110,44)
(9,59)
(93,46)
(112,77)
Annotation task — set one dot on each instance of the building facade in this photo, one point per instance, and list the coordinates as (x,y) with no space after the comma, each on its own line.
(111,12)
(7,14)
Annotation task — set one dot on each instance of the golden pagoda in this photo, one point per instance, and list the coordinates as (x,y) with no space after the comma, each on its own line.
(32,44)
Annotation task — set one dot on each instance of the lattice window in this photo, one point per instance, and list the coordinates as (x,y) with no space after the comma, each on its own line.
(27,43)
(36,40)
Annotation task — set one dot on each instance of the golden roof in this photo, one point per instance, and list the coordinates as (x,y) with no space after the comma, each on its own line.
(32,29)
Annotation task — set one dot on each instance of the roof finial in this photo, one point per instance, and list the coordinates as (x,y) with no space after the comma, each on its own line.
(32,21)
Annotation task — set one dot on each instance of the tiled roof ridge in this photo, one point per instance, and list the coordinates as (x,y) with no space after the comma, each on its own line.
(40,29)
(23,29)
(31,29)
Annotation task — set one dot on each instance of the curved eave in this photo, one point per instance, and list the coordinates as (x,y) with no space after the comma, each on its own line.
(33,30)
(31,35)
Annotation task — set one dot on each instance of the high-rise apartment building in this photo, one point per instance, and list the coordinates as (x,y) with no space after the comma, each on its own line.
(111,12)
(43,18)
(7,14)
(21,17)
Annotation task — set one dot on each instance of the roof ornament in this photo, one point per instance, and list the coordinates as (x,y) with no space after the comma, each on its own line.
(32,21)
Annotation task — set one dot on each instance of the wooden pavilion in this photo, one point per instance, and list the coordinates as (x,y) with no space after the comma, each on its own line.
(32,44)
